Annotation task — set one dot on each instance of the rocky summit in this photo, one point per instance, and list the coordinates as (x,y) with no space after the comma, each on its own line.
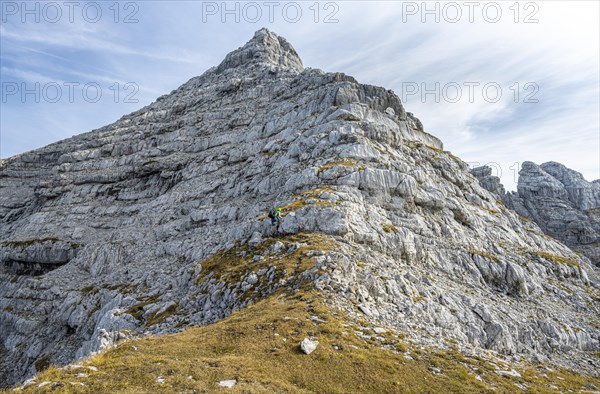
(157,223)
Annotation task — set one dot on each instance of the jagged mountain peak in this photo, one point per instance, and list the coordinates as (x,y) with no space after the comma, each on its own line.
(265,48)
(554,179)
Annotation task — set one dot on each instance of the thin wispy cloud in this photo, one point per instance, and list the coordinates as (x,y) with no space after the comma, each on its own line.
(372,41)
(88,42)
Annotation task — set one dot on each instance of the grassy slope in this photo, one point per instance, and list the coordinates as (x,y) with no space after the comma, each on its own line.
(259,346)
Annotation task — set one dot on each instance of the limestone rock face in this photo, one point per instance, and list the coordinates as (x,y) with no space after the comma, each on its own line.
(121,231)
(582,194)
(558,199)
(265,48)
(488,181)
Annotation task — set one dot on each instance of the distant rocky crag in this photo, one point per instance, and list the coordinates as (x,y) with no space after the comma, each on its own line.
(556,198)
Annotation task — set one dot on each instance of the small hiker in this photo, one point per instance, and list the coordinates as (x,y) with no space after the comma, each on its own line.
(275,216)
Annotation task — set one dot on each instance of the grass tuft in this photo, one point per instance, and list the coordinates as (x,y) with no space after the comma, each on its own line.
(483,254)
(556,259)
(348,163)
(259,347)
(390,228)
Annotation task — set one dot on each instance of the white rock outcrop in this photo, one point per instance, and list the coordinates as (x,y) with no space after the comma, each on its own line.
(308,345)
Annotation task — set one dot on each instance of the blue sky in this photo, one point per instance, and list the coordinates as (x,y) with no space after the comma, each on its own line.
(546,51)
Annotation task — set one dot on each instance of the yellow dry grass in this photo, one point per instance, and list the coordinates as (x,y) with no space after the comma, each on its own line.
(259,347)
